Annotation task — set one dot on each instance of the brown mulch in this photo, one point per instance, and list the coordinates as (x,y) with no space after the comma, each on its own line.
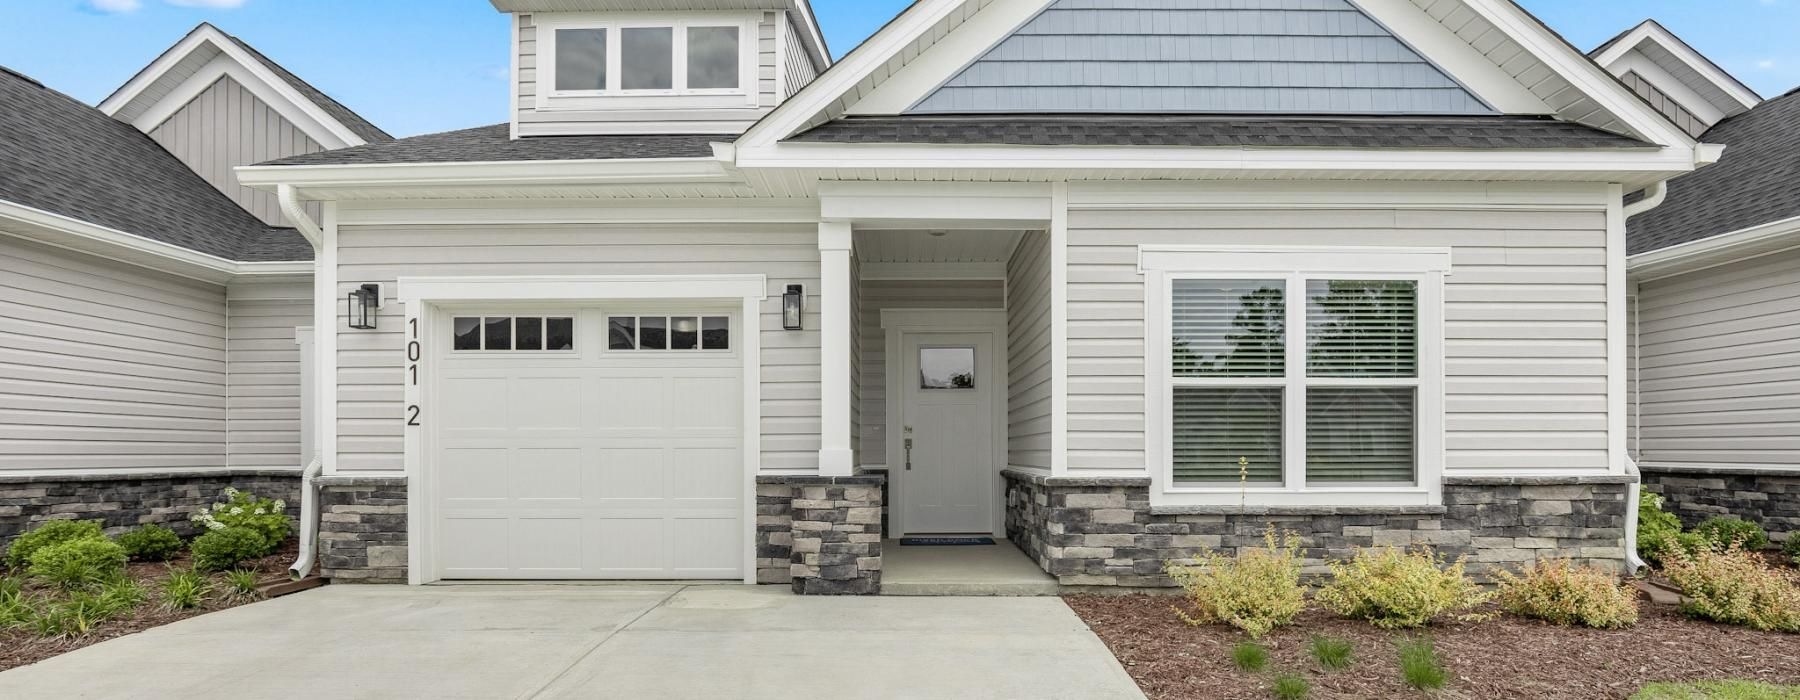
(1506,657)
(21,647)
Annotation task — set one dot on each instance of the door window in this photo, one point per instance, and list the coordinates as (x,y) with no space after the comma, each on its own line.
(947,368)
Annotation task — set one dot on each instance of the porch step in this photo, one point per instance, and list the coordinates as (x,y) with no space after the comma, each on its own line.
(998,569)
(974,589)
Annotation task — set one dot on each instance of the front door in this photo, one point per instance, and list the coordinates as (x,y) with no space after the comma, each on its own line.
(947,385)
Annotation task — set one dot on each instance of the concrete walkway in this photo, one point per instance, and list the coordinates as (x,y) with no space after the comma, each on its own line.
(614,641)
(967,570)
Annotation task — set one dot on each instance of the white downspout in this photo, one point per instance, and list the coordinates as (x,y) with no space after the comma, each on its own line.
(1654,196)
(289,200)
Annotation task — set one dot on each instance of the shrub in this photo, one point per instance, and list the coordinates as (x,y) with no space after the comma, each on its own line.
(1291,686)
(1250,656)
(79,563)
(1792,547)
(1739,588)
(1659,534)
(1257,591)
(123,595)
(18,556)
(15,607)
(1332,654)
(183,589)
(1564,594)
(150,543)
(1419,665)
(217,550)
(1721,531)
(240,584)
(242,509)
(1397,589)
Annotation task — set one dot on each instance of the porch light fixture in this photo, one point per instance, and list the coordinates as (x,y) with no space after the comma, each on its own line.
(793,307)
(362,304)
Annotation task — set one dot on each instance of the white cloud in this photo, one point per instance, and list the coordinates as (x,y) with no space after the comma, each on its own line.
(1766,64)
(215,4)
(114,6)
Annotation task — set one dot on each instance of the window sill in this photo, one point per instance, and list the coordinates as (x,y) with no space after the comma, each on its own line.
(1281,510)
(1312,501)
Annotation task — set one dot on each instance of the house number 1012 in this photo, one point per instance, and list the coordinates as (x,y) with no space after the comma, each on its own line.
(413,352)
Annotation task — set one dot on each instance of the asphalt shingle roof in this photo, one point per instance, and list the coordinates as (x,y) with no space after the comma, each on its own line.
(1499,132)
(65,157)
(351,120)
(1756,181)
(495,143)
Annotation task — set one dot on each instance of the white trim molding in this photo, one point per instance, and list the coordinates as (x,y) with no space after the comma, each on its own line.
(492,173)
(551,99)
(1650,31)
(836,287)
(68,233)
(1755,241)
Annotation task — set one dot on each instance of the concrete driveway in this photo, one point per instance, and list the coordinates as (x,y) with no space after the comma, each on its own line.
(597,641)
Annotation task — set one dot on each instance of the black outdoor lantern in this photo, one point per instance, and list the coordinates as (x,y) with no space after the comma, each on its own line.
(363,302)
(793,307)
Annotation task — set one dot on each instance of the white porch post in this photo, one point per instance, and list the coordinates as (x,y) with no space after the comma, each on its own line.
(835,458)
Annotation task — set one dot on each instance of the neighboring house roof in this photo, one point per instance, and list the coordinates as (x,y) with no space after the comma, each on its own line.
(351,120)
(1757,181)
(495,144)
(67,158)
(1494,132)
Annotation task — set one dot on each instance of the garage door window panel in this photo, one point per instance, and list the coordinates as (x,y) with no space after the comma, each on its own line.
(482,334)
(673,333)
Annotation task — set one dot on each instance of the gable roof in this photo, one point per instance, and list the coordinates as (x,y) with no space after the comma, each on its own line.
(350,119)
(64,157)
(1673,56)
(1757,181)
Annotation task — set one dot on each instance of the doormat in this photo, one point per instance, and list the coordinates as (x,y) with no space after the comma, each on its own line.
(943,541)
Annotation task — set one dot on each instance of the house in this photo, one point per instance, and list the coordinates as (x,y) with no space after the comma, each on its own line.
(1119,282)
(1715,277)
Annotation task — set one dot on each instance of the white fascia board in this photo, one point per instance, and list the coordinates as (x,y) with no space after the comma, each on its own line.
(329,134)
(1772,237)
(1683,94)
(964,201)
(499,173)
(93,239)
(818,51)
(1654,32)
(412,290)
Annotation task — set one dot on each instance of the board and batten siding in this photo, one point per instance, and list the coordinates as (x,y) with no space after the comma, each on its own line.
(370,393)
(562,122)
(1525,324)
(1028,353)
(877,295)
(226,126)
(1719,365)
(263,356)
(798,71)
(107,366)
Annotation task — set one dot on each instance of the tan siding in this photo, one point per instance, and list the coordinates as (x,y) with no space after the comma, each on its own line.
(369,362)
(227,126)
(263,397)
(1720,365)
(1525,328)
(1028,350)
(107,366)
(872,355)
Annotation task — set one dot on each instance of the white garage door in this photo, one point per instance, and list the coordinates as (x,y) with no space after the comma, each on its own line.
(591,443)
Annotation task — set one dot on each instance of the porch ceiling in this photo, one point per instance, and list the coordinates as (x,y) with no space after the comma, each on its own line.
(945,246)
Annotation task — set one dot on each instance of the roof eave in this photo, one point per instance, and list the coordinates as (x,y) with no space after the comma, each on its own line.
(1712,251)
(69,233)
(524,173)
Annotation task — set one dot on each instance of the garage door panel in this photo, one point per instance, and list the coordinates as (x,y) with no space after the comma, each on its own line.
(474,545)
(706,474)
(548,546)
(467,475)
(630,404)
(550,476)
(705,547)
(473,406)
(626,474)
(626,547)
(553,404)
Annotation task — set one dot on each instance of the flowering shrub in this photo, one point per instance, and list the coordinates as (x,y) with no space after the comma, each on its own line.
(1257,591)
(79,563)
(1737,587)
(1564,594)
(241,509)
(1396,589)
(224,548)
(150,543)
(55,532)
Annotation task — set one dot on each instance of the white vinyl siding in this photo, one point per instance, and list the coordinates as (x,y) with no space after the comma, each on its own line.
(876,295)
(370,393)
(105,366)
(1719,365)
(1525,324)
(1028,350)
(227,126)
(263,397)
(798,70)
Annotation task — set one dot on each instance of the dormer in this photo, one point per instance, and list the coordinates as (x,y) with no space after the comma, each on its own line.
(583,67)
(1677,80)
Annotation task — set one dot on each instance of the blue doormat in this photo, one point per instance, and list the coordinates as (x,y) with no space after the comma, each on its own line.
(943,541)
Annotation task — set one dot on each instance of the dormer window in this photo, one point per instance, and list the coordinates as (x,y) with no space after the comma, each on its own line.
(606,58)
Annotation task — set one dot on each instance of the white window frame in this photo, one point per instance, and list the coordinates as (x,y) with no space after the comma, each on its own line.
(1294,266)
(513,318)
(638,317)
(548,97)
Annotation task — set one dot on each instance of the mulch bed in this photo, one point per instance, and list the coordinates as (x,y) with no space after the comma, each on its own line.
(21,647)
(1506,657)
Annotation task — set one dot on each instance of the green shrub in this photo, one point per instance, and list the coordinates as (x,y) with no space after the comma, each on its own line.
(1332,654)
(184,589)
(1717,690)
(1397,589)
(124,595)
(1659,534)
(1419,665)
(1792,547)
(240,584)
(218,550)
(79,563)
(1721,531)
(18,556)
(1256,591)
(150,543)
(1564,594)
(1250,656)
(242,509)
(15,606)
(1739,588)
(1291,686)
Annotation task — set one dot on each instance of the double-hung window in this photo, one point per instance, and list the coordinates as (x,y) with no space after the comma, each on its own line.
(1302,376)
(628,57)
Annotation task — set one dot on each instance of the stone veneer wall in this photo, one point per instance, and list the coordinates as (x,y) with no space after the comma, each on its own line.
(1103,532)
(362,529)
(821,535)
(123,502)
(1768,498)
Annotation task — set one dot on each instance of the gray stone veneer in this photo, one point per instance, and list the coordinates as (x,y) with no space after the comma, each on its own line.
(124,502)
(1103,532)
(821,535)
(362,529)
(1768,498)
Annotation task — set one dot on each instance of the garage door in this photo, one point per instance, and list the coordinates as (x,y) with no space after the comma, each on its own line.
(589,443)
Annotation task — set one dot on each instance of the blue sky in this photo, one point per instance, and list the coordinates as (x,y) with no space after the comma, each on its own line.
(419,66)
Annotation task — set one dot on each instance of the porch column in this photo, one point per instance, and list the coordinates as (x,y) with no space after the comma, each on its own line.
(835,458)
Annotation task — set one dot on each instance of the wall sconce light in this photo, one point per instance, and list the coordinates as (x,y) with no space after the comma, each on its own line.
(362,304)
(793,307)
